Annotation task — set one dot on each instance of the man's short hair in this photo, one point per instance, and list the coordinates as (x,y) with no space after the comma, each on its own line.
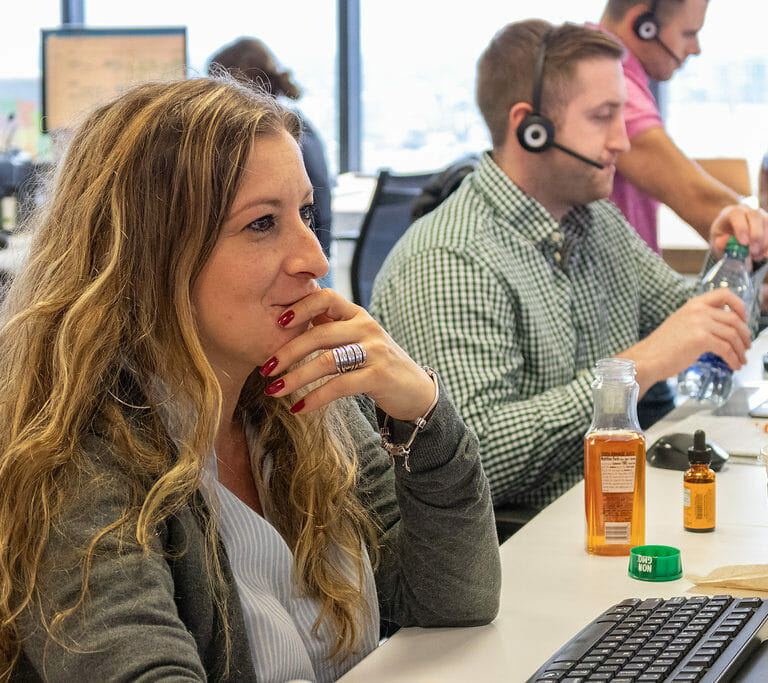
(505,70)
(617,9)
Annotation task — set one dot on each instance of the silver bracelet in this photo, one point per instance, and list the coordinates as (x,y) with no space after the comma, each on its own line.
(403,450)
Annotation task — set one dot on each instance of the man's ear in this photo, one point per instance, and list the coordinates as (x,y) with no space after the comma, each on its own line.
(518,112)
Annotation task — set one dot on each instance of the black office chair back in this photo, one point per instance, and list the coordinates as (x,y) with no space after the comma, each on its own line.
(387,218)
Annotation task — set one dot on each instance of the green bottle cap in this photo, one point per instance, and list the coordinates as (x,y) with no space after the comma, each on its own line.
(736,249)
(655,563)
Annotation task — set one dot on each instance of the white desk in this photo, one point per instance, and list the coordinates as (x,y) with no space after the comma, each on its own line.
(547,572)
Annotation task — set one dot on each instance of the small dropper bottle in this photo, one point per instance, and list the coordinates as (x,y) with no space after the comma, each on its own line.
(699,487)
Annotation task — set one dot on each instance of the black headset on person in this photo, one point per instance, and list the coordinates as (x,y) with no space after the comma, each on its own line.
(647,28)
(536,132)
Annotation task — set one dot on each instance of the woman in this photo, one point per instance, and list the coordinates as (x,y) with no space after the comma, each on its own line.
(194,494)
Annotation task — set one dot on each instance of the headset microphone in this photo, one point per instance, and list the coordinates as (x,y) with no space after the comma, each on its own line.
(536,132)
(578,156)
(647,28)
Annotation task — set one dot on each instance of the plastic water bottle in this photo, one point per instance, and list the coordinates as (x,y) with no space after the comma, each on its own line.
(710,378)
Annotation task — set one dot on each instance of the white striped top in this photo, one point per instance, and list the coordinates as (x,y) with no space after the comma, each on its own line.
(278,619)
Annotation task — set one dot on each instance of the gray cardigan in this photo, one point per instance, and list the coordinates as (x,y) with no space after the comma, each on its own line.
(153,616)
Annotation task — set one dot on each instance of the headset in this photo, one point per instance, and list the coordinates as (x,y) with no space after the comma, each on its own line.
(536,132)
(647,28)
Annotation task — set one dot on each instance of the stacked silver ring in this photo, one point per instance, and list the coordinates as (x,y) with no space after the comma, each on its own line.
(349,357)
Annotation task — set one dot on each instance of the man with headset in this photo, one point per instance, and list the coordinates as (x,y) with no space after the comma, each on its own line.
(659,36)
(524,277)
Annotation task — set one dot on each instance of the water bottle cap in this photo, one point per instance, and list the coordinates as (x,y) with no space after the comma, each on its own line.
(735,249)
(655,563)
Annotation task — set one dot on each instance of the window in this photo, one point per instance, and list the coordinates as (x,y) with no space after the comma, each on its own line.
(301,35)
(717,104)
(20,67)
(419,59)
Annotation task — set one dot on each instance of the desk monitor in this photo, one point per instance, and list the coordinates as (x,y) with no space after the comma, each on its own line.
(85,67)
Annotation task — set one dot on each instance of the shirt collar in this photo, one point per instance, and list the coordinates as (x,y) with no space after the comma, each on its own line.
(525,214)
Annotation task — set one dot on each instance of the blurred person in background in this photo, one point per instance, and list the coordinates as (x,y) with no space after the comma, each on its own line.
(659,35)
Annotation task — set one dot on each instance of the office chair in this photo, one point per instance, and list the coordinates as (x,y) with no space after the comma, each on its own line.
(512,518)
(387,218)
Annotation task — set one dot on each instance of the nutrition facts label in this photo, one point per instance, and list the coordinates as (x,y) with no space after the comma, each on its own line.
(617,472)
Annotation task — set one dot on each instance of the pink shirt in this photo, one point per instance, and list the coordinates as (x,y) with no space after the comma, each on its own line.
(640,113)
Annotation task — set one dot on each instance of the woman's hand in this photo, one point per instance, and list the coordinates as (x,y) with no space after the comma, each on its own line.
(399,386)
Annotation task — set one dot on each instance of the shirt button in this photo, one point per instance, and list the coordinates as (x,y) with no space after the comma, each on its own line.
(558,258)
(557,237)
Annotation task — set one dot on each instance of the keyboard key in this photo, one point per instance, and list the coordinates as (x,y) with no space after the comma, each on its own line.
(611,641)
(708,651)
(656,669)
(634,641)
(649,651)
(749,602)
(736,621)
(615,660)
(581,671)
(726,630)
(693,669)
(650,604)
(699,621)
(650,677)
(654,621)
(601,651)
(742,614)
(674,648)
(697,600)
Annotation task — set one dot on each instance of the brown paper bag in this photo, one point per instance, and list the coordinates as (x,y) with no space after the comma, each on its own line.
(741,576)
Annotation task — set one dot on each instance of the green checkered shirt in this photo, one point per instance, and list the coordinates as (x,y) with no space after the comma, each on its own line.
(513,309)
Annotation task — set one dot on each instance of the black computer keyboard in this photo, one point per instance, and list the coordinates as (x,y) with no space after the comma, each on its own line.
(679,639)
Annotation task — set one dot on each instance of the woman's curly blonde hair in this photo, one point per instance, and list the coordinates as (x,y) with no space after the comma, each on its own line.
(134,210)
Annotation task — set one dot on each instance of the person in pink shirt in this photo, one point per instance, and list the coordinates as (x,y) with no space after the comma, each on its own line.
(659,36)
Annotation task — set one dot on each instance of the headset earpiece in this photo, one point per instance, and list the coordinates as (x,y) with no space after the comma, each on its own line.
(535,133)
(646,26)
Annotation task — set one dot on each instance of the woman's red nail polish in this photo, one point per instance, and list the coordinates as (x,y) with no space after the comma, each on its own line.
(273,388)
(285,318)
(296,407)
(268,367)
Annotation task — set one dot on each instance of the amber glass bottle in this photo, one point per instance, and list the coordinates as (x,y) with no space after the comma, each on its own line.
(699,487)
(614,462)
